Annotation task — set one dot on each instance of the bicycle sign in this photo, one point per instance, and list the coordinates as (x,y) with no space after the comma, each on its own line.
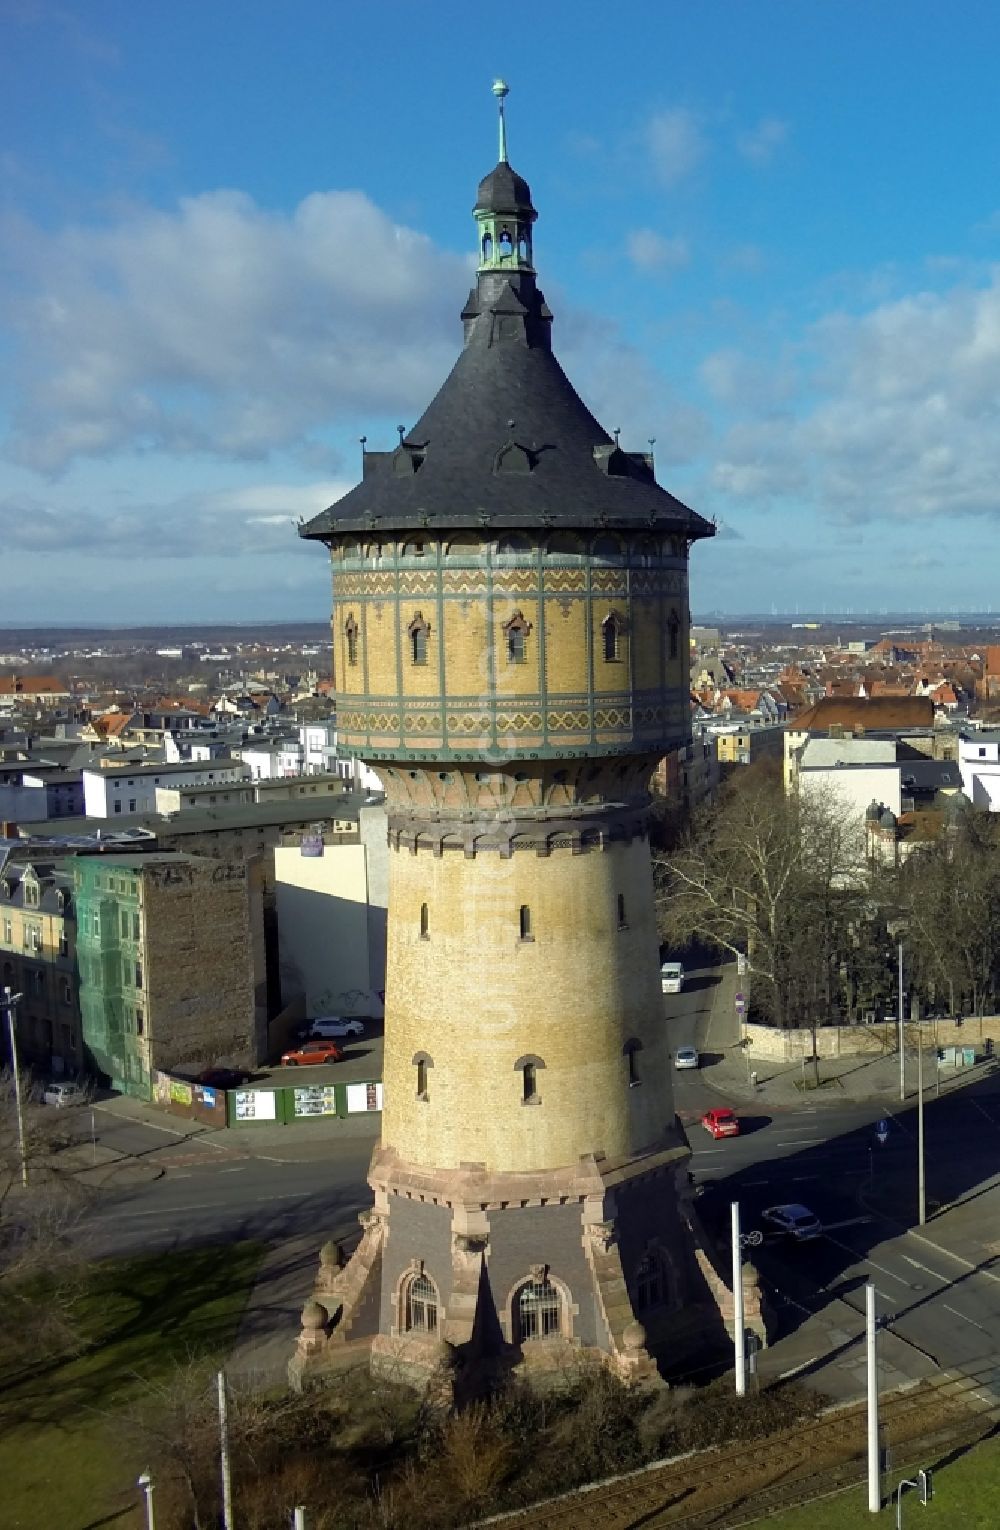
(882,1132)
(751,1239)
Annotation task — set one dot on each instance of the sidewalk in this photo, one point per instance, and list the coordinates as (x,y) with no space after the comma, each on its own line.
(274,1142)
(741,1076)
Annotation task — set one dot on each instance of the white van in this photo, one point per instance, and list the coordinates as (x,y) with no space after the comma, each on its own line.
(672,977)
(331,1027)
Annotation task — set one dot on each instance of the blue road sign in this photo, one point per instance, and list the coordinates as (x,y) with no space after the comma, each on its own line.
(882,1131)
(741,1003)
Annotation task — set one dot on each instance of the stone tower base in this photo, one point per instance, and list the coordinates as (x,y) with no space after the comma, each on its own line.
(606,1243)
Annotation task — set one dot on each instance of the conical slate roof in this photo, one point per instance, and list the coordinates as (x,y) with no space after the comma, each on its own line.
(507,441)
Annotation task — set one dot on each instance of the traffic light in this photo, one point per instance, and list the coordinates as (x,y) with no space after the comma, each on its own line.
(925,1485)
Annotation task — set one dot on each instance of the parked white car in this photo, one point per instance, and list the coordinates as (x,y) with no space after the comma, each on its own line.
(332,1027)
(686,1057)
(65,1093)
(672,977)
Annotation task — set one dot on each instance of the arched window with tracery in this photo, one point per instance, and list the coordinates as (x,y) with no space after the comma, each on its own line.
(420,1305)
(648,1284)
(418,632)
(351,637)
(538,1310)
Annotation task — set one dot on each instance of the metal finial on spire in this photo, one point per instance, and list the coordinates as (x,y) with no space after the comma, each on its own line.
(616,433)
(402,433)
(500,90)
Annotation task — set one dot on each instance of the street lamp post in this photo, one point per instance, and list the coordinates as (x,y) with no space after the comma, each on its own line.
(739,1336)
(871,1354)
(145,1481)
(921,1185)
(902,1062)
(10,1002)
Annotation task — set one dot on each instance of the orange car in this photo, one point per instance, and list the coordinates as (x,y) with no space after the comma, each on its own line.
(311,1052)
(721,1122)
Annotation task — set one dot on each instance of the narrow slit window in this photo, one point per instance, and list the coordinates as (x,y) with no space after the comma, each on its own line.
(418,633)
(421,1079)
(530,1081)
(524,922)
(632,1050)
(425,925)
(351,635)
(674,634)
(622,921)
(611,633)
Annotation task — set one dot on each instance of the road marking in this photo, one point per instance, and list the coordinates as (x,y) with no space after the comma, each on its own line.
(240,1169)
(784,1375)
(983,1111)
(809,1110)
(154,1126)
(880,1267)
(748,1183)
(800,1179)
(848,1222)
(701,1152)
(959,1259)
(926,1269)
(955,1313)
(799,1142)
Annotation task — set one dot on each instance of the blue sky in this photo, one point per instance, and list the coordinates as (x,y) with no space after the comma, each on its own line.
(236,236)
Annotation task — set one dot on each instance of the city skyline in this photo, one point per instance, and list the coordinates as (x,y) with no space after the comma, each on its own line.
(768,237)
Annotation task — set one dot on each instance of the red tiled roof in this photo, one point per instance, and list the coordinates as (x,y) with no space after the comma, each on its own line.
(32,685)
(873,713)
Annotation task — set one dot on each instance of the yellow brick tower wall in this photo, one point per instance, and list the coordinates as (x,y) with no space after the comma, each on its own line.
(476,998)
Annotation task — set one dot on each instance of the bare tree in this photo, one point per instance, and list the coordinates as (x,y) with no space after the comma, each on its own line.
(780,880)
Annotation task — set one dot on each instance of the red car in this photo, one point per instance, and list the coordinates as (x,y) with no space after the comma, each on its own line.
(311,1052)
(721,1122)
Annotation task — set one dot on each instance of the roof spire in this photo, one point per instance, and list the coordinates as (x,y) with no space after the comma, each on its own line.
(500,90)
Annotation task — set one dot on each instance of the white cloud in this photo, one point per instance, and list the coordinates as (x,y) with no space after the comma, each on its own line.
(897,413)
(238,522)
(762,142)
(649,251)
(676,144)
(223,328)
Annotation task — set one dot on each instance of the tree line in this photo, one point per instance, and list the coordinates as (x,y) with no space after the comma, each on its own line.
(788,882)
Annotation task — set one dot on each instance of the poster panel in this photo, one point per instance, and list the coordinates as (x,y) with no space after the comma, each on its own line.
(255,1105)
(364,1097)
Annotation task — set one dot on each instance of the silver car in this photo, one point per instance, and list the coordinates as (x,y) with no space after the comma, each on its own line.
(686,1057)
(794,1220)
(63,1094)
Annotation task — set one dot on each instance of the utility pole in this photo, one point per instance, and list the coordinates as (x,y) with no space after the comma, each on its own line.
(921,1185)
(10,1002)
(227,1482)
(739,1338)
(871,1355)
(902,1062)
(299,1522)
(145,1481)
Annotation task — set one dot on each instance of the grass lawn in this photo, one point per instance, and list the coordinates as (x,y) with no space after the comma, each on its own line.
(60,1464)
(966,1497)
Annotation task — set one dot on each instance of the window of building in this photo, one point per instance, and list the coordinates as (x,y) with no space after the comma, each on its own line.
(30,894)
(67,991)
(351,636)
(611,628)
(414,549)
(622,921)
(39,981)
(649,1283)
(674,635)
(422,1062)
(34,938)
(420,1314)
(418,632)
(140,1020)
(8,933)
(138,974)
(631,1049)
(524,922)
(124,923)
(538,1310)
(63,943)
(95,921)
(131,804)
(516,637)
(528,1067)
(424,922)
(136,925)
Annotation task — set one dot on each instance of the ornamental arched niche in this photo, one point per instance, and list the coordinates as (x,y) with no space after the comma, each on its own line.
(515,632)
(612,632)
(418,632)
(351,638)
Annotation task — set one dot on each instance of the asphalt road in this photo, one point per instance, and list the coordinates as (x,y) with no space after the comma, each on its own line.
(212,1190)
(829,1157)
